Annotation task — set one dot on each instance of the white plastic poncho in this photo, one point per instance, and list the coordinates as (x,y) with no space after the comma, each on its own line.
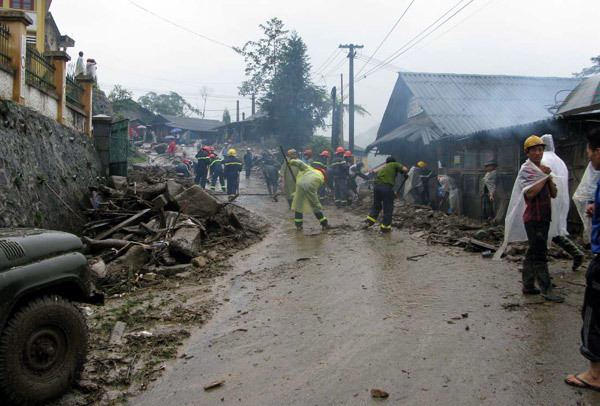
(413,186)
(560,175)
(448,185)
(514,227)
(585,192)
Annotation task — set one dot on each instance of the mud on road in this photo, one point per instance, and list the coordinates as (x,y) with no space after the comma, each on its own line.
(324,317)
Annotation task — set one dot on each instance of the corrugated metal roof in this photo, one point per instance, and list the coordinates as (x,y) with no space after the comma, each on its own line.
(192,124)
(461,104)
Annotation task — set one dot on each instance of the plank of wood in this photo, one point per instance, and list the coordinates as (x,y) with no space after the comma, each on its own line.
(122,224)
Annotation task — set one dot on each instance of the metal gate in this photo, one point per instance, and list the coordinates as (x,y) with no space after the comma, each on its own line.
(119,148)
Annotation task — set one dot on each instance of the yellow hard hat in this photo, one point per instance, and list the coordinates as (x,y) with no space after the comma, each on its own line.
(421,164)
(232,152)
(533,141)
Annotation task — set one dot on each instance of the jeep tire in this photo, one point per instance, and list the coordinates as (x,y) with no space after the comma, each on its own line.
(42,351)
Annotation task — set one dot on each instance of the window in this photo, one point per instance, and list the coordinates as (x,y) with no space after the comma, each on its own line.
(22,4)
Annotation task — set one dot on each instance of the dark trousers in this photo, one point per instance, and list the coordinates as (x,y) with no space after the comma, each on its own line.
(383,197)
(201,177)
(248,170)
(233,183)
(590,332)
(488,208)
(566,244)
(535,265)
(213,182)
(299,218)
(341,191)
(271,185)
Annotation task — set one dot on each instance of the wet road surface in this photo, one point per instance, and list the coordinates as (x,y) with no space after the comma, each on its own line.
(321,318)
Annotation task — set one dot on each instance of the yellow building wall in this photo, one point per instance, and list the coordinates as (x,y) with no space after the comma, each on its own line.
(40,11)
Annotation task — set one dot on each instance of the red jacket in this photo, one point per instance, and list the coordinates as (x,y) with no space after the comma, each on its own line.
(171,149)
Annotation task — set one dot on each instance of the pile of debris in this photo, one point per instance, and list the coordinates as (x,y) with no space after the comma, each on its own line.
(149,226)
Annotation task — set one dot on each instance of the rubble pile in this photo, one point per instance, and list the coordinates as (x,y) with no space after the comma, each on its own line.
(149,225)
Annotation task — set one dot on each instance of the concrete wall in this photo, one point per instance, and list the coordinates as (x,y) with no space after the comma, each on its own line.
(74,119)
(41,101)
(6,85)
(38,151)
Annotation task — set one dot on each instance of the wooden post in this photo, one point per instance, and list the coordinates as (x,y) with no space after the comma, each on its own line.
(17,22)
(87,82)
(59,60)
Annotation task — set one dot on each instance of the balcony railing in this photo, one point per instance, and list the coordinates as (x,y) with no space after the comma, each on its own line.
(38,70)
(4,37)
(74,92)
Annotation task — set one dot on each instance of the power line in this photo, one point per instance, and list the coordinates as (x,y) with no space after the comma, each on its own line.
(327,61)
(386,37)
(336,67)
(180,26)
(450,29)
(412,42)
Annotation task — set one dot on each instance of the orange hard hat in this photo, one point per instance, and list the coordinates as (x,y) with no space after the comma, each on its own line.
(308,152)
(348,153)
(339,150)
(323,172)
(325,153)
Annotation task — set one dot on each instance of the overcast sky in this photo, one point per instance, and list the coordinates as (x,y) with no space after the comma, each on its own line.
(143,53)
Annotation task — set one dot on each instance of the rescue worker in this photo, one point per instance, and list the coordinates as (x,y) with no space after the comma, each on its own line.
(305,199)
(539,192)
(248,162)
(288,174)
(384,195)
(216,172)
(321,162)
(270,173)
(307,157)
(425,175)
(233,167)
(488,187)
(339,169)
(202,166)
(590,313)
(349,158)
(183,169)
(562,204)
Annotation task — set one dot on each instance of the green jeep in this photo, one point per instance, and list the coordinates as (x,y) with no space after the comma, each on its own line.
(43,335)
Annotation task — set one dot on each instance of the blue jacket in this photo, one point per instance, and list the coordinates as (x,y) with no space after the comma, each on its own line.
(216,166)
(233,167)
(595,240)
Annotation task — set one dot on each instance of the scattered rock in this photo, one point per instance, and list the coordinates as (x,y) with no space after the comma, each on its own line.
(173,189)
(133,259)
(116,337)
(213,385)
(186,241)
(199,262)
(160,148)
(481,235)
(118,182)
(97,267)
(378,393)
(196,201)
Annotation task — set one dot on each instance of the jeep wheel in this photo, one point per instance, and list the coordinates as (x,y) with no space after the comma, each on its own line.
(42,351)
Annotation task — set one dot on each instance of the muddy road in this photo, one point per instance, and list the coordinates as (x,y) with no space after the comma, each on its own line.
(321,318)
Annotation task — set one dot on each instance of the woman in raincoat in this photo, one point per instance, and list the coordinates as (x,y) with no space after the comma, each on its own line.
(306,199)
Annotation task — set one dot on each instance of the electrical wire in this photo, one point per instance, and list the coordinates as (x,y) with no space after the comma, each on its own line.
(386,37)
(181,26)
(327,61)
(412,42)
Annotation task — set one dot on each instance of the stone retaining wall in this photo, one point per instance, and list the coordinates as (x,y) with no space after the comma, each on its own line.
(38,152)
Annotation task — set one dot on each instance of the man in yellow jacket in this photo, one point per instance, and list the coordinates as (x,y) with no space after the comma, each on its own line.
(306,199)
(288,173)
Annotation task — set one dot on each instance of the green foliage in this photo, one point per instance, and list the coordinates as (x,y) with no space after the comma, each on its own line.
(318,144)
(170,104)
(592,70)
(121,100)
(262,57)
(295,106)
(226,117)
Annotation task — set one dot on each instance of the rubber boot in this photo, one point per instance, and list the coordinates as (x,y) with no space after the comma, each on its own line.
(566,244)
(528,278)
(543,278)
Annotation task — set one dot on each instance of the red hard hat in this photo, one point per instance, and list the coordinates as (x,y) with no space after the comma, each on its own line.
(211,156)
(308,152)
(325,153)
(323,172)
(339,150)
(207,149)
(348,153)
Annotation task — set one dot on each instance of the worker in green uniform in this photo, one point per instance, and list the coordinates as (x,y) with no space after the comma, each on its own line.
(383,193)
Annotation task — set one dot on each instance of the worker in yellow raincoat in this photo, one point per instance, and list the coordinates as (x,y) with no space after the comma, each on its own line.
(287,179)
(306,199)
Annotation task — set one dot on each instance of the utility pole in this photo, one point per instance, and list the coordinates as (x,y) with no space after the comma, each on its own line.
(341,109)
(237,110)
(334,122)
(351,55)
(253,103)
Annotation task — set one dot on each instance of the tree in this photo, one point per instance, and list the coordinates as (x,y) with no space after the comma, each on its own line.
(171,104)
(262,57)
(318,144)
(121,100)
(226,117)
(295,107)
(592,70)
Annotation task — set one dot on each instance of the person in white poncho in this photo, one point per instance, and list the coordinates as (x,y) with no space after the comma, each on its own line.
(531,216)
